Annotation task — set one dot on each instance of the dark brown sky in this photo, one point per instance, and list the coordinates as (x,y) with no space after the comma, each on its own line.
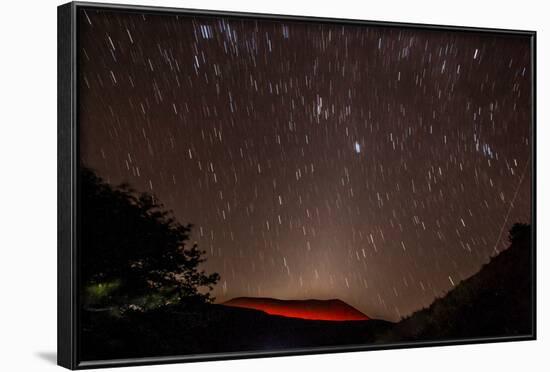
(380,166)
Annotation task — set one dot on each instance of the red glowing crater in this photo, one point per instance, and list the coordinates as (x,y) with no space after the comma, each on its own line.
(335,310)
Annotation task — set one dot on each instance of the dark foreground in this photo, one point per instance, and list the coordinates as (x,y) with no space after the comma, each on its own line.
(215,329)
(495,302)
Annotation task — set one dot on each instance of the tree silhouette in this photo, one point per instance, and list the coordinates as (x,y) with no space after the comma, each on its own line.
(518,232)
(134,255)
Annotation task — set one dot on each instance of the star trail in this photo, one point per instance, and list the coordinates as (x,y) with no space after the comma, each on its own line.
(377,165)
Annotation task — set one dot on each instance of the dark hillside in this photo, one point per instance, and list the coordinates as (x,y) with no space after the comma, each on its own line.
(494,302)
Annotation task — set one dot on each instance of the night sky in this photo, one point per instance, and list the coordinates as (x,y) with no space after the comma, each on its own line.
(377,165)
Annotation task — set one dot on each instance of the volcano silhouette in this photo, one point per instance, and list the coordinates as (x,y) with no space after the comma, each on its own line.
(334,309)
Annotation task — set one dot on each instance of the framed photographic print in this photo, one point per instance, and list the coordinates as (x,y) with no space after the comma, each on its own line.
(248,185)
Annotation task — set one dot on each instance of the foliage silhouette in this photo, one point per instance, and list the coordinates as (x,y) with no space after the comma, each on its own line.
(495,302)
(134,254)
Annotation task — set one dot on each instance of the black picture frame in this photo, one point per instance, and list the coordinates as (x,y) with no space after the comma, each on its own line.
(68,187)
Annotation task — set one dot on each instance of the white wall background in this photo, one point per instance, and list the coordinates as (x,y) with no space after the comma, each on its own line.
(28,184)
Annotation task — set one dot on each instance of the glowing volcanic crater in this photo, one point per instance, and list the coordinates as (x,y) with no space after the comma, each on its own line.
(335,310)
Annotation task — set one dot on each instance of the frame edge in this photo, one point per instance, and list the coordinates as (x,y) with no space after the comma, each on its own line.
(66,346)
(290,17)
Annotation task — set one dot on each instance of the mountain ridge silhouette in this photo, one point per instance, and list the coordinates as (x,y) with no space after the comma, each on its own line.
(313,309)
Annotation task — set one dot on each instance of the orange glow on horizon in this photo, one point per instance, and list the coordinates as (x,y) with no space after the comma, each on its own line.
(333,310)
